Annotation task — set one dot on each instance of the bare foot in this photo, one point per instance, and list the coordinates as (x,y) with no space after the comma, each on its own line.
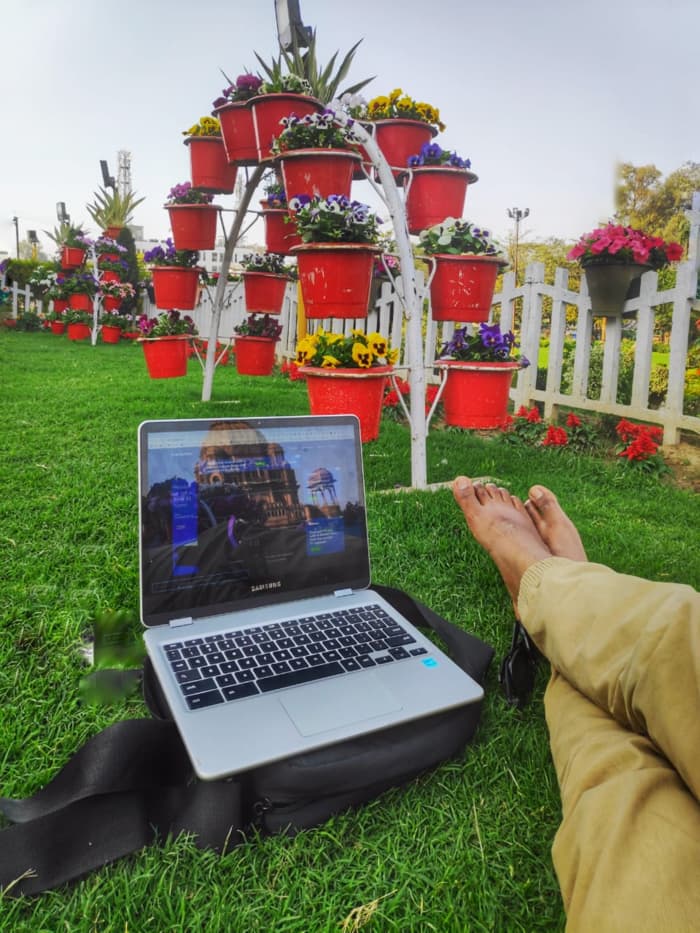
(502,525)
(553,524)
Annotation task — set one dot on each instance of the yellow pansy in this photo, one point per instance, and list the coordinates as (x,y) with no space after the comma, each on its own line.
(362,355)
(305,350)
(395,94)
(404,104)
(378,344)
(329,362)
(392,356)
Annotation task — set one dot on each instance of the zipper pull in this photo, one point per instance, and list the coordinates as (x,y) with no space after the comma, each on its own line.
(260,808)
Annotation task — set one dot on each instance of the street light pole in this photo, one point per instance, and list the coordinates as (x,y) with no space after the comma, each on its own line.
(517,215)
(15,221)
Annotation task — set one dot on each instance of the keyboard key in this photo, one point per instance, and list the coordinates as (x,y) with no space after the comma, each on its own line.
(364,660)
(185,677)
(190,652)
(197,686)
(233,654)
(202,700)
(280,667)
(298,664)
(210,671)
(244,677)
(246,664)
(194,641)
(351,664)
(179,666)
(417,651)
(240,692)
(395,640)
(263,671)
(228,667)
(294,678)
(215,657)
(398,654)
(201,661)
(225,680)
(173,655)
(384,659)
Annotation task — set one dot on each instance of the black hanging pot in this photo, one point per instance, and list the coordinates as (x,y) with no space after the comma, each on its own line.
(611,284)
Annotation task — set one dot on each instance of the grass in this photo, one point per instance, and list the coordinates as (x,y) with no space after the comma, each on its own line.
(464,848)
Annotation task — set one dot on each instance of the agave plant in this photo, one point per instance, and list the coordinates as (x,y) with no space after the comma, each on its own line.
(112,209)
(323,81)
(65,234)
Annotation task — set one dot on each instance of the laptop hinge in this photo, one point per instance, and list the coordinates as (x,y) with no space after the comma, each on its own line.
(178,623)
(345,592)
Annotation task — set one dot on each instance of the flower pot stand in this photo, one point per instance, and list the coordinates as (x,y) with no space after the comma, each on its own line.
(166,357)
(255,356)
(475,394)
(462,286)
(335,278)
(348,391)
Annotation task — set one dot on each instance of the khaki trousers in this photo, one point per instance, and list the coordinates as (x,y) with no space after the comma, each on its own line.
(623,712)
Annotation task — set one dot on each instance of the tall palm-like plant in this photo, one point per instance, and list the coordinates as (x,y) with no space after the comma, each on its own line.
(324,81)
(112,209)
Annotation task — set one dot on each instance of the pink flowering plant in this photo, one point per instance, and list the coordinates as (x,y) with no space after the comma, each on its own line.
(120,290)
(186,194)
(117,319)
(614,243)
(168,324)
(243,88)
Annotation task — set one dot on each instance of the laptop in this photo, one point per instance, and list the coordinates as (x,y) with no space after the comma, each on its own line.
(261,624)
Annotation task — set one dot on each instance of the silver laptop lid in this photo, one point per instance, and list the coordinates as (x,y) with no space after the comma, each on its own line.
(240,512)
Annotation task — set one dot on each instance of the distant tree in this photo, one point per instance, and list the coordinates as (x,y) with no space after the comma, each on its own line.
(26,251)
(126,240)
(645,200)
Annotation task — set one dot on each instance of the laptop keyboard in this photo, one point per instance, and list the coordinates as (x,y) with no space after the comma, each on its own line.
(232,666)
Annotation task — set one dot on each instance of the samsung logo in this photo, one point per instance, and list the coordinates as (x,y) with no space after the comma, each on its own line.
(275,585)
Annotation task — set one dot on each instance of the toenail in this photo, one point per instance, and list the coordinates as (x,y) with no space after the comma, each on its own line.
(536,492)
(462,484)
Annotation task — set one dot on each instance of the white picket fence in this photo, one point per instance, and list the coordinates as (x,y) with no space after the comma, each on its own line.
(386,317)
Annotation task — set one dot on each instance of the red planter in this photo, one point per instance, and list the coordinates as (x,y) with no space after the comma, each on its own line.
(348,391)
(335,278)
(209,165)
(476,394)
(166,357)
(108,257)
(176,287)
(238,132)
(57,327)
(72,257)
(280,236)
(264,291)
(435,192)
(255,356)
(193,225)
(111,334)
(461,287)
(60,304)
(318,171)
(111,303)
(80,302)
(78,331)
(112,232)
(268,110)
(109,275)
(399,139)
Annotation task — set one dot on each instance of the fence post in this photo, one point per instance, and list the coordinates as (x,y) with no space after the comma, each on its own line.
(530,330)
(557,336)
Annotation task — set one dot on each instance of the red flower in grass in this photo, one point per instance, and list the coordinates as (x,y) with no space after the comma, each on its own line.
(533,416)
(573,421)
(521,412)
(555,437)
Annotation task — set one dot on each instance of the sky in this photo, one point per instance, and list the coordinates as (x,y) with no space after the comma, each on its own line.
(545,97)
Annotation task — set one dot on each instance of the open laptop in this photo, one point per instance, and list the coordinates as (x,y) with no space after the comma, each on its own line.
(264,633)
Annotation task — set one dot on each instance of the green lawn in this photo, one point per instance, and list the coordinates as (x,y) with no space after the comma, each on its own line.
(466,847)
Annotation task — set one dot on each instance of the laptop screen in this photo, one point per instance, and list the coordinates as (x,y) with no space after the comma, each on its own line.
(240,512)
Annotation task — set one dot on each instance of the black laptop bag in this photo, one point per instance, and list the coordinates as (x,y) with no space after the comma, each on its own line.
(133,784)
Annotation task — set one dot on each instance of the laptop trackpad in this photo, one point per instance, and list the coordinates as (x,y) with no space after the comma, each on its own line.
(339,702)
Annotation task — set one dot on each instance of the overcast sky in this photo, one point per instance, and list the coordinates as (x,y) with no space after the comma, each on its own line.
(544,96)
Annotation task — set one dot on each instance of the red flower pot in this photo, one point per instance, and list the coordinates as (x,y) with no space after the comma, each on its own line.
(335,278)
(280,236)
(461,287)
(435,192)
(193,225)
(209,165)
(255,356)
(348,391)
(111,303)
(78,331)
(268,110)
(166,357)
(58,327)
(318,171)
(238,132)
(110,333)
(476,394)
(176,287)
(80,302)
(60,304)
(264,291)
(399,139)
(109,275)
(112,232)
(108,257)
(72,257)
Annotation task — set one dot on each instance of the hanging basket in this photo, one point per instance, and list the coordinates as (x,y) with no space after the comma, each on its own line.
(268,110)
(166,357)
(319,172)
(435,192)
(461,287)
(80,302)
(238,132)
(255,356)
(78,331)
(209,165)
(348,391)
(476,394)
(57,327)
(399,139)
(264,291)
(72,257)
(176,287)
(111,334)
(609,285)
(193,225)
(335,278)
(280,235)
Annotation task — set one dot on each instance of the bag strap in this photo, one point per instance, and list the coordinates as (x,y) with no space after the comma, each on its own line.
(133,783)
